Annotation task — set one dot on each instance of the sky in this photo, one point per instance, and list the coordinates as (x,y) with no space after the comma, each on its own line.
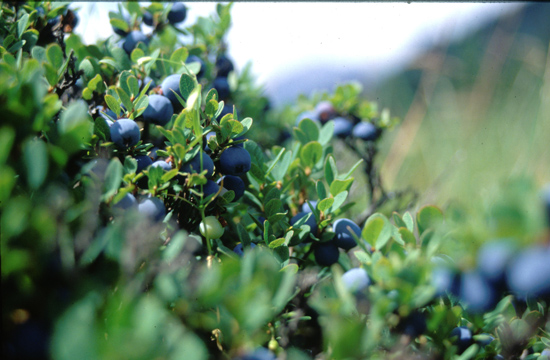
(280,36)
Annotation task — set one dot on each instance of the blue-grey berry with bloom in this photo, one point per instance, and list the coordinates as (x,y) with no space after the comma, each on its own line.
(153,208)
(356,280)
(235,161)
(125,133)
(159,111)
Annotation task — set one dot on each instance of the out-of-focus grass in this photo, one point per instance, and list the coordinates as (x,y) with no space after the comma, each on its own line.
(475,114)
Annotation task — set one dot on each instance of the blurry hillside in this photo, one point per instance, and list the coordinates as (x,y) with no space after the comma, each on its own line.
(475,112)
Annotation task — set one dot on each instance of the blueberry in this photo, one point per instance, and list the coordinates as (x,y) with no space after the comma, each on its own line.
(413,325)
(128,201)
(159,111)
(153,153)
(344,228)
(493,258)
(445,280)
(194,59)
(148,18)
(224,66)
(234,183)
(311,221)
(235,160)
(222,87)
(125,133)
(312,115)
(177,14)
(462,338)
(529,273)
(239,249)
(306,208)
(325,110)
(163,164)
(168,86)
(326,253)
(143,162)
(365,131)
(545,354)
(146,81)
(477,293)
(194,165)
(132,39)
(210,188)
(342,127)
(153,208)
(356,280)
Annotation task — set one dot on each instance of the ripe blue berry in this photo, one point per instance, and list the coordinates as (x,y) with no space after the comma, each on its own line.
(159,111)
(195,59)
(132,39)
(325,110)
(445,280)
(477,293)
(234,183)
(342,127)
(177,14)
(356,280)
(163,164)
(235,160)
(344,228)
(365,131)
(326,253)
(529,273)
(125,133)
(224,66)
(127,202)
(413,325)
(147,80)
(462,338)
(194,165)
(493,258)
(210,188)
(153,208)
(311,221)
(148,18)
(143,162)
(239,250)
(222,87)
(307,209)
(170,85)
(312,115)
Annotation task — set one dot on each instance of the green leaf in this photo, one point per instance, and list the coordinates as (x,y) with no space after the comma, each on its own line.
(274,162)
(327,131)
(243,235)
(125,98)
(211,108)
(398,220)
(36,161)
(246,123)
(331,172)
(277,243)
(338,201)
(180,55)
(281,167)
(101,129)
(133,85)
(409,221)
(363,257)
(113,177)
(311,153)
(407,236)
(113,104)
(120,24)
(212,95)
(22,25)
(353,168)
(187,84)
(272,207)
(321,190)
(325,204)
(39,53)
(428,216)
(87,67)
(310,129)
(339,186)
(376,232)
(55,56)
(51,74)
(136,54)
(140,104)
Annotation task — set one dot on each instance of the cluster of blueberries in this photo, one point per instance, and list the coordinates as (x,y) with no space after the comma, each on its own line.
(343,126)
(176,15)
(345,231)
(501,268)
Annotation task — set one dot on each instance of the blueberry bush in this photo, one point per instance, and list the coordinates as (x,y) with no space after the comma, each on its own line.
(140,219)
